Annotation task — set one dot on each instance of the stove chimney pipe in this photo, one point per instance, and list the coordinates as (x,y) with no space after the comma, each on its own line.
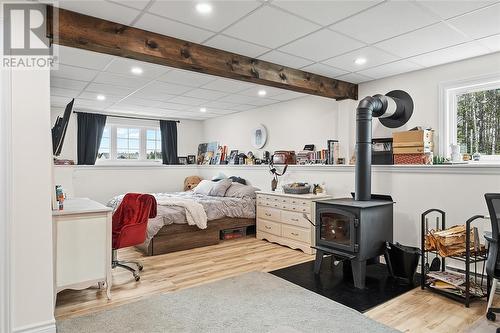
(394,110)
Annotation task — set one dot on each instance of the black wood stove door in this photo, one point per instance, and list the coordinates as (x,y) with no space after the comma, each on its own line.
(337,229)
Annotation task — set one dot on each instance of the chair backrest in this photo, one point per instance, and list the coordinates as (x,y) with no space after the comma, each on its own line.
(493,203)
(131,218)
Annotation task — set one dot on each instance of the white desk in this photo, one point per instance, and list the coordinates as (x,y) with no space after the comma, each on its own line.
(82,245)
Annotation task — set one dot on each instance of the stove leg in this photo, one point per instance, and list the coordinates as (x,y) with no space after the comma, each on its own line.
(318,261)
(359,273)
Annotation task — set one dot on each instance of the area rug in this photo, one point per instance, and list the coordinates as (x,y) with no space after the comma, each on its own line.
(483,325)
(333,283)
(252,302)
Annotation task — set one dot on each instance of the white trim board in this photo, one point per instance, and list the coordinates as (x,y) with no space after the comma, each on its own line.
(46,327)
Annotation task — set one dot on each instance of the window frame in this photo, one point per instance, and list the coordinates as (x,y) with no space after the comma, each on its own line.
(143,125)
(449,92)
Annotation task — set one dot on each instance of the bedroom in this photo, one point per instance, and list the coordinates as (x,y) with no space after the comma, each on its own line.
(435,51)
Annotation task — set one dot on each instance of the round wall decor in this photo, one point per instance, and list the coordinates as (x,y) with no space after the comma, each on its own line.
(259,136)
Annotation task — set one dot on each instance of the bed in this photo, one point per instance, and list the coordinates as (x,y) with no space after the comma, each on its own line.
(169,231)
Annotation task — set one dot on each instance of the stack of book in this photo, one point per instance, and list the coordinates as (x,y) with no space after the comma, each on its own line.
(453,283)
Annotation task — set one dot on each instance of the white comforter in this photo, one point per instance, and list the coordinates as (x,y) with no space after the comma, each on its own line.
(195,214)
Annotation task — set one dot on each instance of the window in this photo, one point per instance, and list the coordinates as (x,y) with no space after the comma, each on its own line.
(471,117)
(130,140)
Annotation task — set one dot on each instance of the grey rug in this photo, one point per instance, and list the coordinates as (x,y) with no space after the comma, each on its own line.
(483,325)
(252,302)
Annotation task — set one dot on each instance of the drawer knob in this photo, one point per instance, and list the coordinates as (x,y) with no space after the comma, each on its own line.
(267,214)
(296,220)
(267,227)
(295,234)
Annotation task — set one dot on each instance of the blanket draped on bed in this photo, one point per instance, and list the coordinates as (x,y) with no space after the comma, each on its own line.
(195,214)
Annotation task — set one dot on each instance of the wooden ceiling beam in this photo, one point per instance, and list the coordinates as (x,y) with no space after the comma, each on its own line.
(94,34)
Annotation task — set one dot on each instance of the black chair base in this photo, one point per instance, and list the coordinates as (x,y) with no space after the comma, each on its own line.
(127,265)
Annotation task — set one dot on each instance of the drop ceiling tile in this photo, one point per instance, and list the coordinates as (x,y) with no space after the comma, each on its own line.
(123,66)
(107,89)
(354,78)
(137,4)
(390,69)
(59,101)
(171,28)
(242,107)
(140,102)
(105,10)
(159,89)
(81,58)
(205,94)
(172,106)
(324,70)
(321,45)
(58,82)
(223,13)
(480,23)
(288,96)
(491,42)
(73,73)
(450,54)
(227,85)
(449,8)
(424,40)
(93,105)
(92,96)
(235,46)
(220,105)
(324,12)
(270,27)
(54,91)
(373,56)
(237,99)
(284,59)
(120,80)
(186,78)
(188,100)
(270,91)
(262,101)
(384,21)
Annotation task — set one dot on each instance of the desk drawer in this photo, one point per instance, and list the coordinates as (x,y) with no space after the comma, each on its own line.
(269,227)
(298,234)
(296,219)
(268,213)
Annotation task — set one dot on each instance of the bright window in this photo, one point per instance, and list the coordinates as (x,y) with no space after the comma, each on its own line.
(130,140)
(471,117)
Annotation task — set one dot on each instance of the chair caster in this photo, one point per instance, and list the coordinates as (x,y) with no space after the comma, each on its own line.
(491,316)
(140,267)
(137,277)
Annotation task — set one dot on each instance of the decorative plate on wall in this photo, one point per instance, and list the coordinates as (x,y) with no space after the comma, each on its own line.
(259,136)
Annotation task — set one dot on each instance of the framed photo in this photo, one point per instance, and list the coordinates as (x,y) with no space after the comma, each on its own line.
(233,156)
(191,159)
(183,160)
(333,151)
(259,136)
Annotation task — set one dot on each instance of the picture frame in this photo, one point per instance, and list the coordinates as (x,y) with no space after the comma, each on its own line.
(191,159)
(333,151)
(259,136)
(233,156)
(183,160)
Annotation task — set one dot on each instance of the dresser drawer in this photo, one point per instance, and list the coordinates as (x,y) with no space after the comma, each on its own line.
(298,202)
(295,218)
(269,227)
(298,234)
(300,209)
(268,213)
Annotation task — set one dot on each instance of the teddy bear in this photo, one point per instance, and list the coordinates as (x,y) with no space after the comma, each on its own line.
(191,182)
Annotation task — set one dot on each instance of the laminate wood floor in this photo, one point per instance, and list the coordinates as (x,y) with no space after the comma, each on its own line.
(415,311)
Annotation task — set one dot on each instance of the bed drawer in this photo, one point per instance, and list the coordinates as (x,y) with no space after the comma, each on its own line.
(298,234)
(268,213)
(295,218)
(269,227)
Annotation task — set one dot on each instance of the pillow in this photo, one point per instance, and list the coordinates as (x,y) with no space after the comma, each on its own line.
(204,187)
(238,180)
(220,176)
(220,188)
(238,190)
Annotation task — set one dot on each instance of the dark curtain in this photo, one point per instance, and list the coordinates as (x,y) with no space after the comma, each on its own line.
(90,129)
(168,130)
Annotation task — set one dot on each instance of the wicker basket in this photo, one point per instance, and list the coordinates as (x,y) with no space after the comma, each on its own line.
(296,189)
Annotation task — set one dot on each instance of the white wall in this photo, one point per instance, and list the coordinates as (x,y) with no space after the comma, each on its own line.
(31,238)
(290,125)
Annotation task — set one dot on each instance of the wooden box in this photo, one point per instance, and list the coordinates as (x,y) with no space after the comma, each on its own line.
(413,158)
(421,138)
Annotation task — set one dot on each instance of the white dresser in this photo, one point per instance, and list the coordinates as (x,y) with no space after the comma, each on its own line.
(82,245)
(280,219)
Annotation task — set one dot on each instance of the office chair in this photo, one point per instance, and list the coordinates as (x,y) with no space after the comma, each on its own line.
(130,222)
(493,261)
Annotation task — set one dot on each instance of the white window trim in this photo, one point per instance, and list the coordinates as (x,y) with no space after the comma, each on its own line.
(448,92)
(143,126)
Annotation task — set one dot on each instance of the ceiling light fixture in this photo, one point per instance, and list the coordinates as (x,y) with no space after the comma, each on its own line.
(101,97)
(204,8)
(262,93)
(203,109)
(136,70)
(360,61)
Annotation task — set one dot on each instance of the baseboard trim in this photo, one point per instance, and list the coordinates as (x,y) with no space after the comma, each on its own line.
(46,327)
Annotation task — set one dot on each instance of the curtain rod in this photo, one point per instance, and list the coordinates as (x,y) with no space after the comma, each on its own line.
(127,117)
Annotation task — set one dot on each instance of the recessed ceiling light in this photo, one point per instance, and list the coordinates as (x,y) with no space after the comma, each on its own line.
(262,92)
(204,8)
(360,61)
(203,109)
(136,70)
(101,97)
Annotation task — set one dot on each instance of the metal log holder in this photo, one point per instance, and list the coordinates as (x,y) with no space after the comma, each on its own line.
(468,258)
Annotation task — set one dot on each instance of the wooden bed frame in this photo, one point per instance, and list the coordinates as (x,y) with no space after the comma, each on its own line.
(178,237)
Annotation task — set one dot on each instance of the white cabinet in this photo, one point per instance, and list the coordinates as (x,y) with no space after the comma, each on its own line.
(82,245)
(280,219)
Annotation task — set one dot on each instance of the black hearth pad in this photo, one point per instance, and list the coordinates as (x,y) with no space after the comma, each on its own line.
(331,283)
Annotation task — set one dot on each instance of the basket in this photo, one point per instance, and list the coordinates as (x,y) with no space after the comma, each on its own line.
(296,189)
